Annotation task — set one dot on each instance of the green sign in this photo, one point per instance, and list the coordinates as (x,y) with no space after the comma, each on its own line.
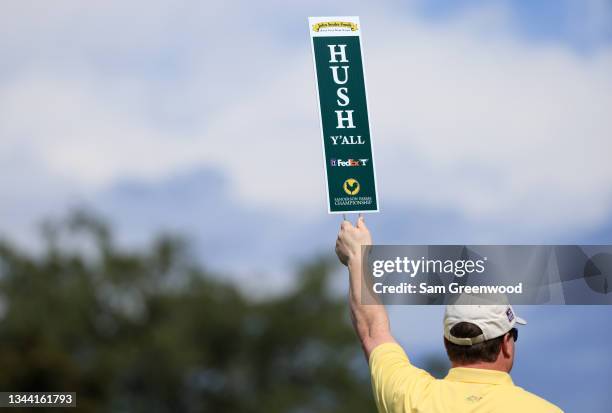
(345,129)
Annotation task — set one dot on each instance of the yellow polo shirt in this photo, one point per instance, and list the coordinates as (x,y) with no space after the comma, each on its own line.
(400,387)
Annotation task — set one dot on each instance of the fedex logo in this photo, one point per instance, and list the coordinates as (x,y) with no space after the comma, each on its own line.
(349,162)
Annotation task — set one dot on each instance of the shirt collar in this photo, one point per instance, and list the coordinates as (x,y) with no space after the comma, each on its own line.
(484,376)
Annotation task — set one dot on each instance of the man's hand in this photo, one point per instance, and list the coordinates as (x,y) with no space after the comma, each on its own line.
(350,239)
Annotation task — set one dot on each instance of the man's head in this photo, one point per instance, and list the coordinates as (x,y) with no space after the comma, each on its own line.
(481,336)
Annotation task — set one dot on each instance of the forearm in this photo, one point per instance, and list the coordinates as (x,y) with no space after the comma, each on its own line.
(370,319)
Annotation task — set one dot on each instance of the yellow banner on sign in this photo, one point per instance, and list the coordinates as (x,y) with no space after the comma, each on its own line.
(318,26)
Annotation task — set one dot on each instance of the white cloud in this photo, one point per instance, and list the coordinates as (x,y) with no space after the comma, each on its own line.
(464,114)
(496,128)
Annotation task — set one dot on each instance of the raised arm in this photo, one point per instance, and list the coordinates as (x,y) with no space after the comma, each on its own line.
(369,320)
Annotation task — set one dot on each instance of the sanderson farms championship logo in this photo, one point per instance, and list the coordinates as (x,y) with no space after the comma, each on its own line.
(351,186)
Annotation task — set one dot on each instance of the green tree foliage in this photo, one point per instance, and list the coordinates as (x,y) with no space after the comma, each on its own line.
(151,331)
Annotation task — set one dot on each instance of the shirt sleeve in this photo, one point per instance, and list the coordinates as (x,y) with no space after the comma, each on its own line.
(396,383)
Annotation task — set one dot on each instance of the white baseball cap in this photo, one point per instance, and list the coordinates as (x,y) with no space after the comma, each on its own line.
(493,320)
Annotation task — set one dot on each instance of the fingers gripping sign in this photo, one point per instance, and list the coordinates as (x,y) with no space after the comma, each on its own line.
(350,239)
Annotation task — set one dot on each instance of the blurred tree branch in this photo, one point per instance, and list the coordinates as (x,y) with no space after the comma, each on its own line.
(150,330)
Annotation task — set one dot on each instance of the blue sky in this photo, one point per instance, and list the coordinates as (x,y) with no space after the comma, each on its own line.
(491,124)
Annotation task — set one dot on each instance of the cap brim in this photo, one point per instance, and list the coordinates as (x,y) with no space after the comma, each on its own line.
(520,321)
